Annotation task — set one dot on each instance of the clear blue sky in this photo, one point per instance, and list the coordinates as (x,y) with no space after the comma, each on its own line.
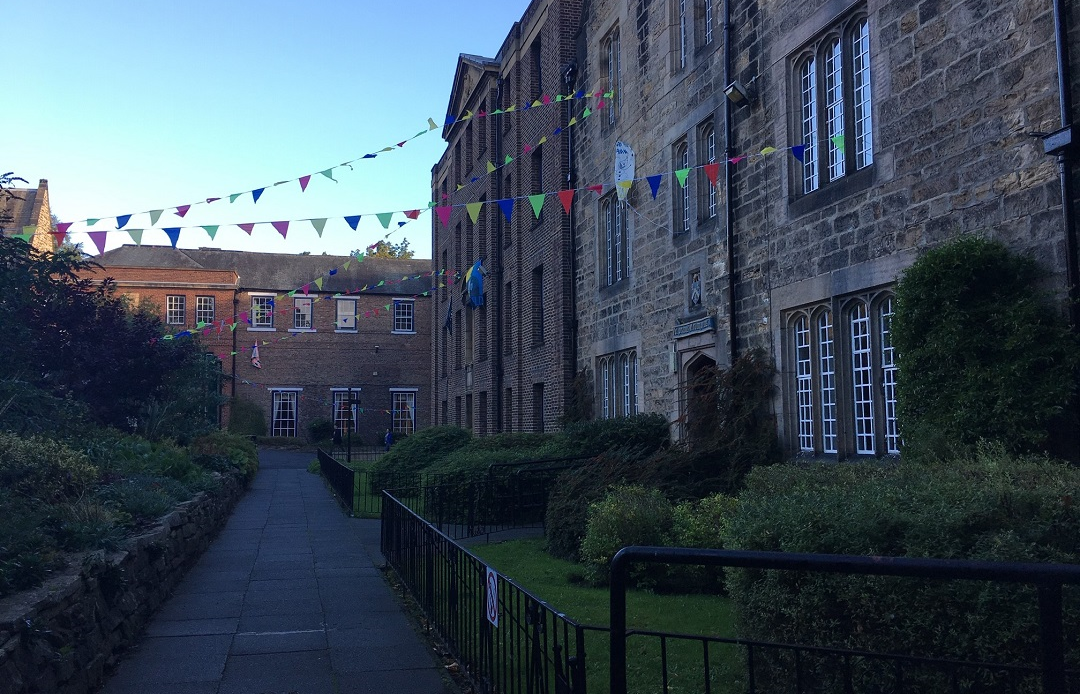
(128,106)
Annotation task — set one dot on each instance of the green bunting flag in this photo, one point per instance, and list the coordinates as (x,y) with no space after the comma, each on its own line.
(681,174)
(838,142)
(318,283)
(91,222)
(136,236)
(329,174)
(537,202)
(474,210)
(319,224)
(211,230)
(155,215)
(234,196)
(384,218)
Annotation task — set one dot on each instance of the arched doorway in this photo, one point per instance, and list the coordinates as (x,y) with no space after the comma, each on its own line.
(699,399)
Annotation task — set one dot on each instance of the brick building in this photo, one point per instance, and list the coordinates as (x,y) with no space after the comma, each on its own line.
(897,126)
(26,210)
(347,324)
(507,365)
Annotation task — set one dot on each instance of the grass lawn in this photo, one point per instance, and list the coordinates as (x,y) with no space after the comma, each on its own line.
(558,583)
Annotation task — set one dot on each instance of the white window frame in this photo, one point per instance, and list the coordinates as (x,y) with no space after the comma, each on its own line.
(279,399)
(610,48)
(407,424)
(861,419)
(707,155)
(175,309)
(344,322)
(681,197)
(204,314)
(680,28)
(299,314)
(404,316)
(261,317)
(618,376)
(340,396)
(835,101)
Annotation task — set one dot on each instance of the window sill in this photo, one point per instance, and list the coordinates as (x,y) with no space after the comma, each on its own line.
(402,332)
(347,332)
(252,329)
(611,290)
(832,192)
(301,330)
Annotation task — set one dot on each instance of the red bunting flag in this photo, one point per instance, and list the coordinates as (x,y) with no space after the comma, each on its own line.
(412,214)
(566,197)
(711,170)
(444,214)
(596,189)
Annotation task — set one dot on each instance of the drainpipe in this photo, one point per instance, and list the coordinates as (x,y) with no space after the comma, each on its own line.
(498,267)
(568,81)
(235,307)
(1060,143)
(729,210)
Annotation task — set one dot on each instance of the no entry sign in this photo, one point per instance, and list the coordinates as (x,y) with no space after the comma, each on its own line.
(492,591)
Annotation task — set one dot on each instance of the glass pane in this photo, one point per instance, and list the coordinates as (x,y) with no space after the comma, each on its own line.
(864,136)
(803,385)
(862,379)
(808,78)
(888,372)
(827,357)
(834,108)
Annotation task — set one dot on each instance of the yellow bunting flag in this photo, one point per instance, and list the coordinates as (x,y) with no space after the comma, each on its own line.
(474,210)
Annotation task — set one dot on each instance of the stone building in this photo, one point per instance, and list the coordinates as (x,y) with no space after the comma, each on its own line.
(324,325)
(27,211)
(853,135)
(507,365)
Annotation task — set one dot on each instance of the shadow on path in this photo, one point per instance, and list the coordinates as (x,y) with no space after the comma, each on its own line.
(287,600)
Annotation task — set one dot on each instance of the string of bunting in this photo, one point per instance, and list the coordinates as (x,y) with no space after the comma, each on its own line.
(122,220)
(315,399)
(318,224)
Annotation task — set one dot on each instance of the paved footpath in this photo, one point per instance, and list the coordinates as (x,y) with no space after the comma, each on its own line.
(287,600)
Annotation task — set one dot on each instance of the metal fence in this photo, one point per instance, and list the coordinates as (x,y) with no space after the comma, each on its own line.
(773,667)
(342,479)
(504,638)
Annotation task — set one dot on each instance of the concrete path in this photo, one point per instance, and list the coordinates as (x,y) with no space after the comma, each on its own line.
(287,600)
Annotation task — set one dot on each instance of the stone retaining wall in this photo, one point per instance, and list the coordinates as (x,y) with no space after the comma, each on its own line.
(63,636)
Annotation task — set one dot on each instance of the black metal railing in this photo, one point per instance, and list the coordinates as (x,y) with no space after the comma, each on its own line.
(343,480)
(800,667)
(503,638)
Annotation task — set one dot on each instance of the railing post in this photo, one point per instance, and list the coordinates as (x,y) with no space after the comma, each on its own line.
(1052,638)
(619,571)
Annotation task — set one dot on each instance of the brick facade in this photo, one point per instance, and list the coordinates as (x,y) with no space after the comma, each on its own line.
(312,362)
(507,366)
(955,92)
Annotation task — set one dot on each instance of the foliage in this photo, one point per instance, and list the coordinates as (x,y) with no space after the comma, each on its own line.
(644,433)
(579,401)
(479,453)
(385,249)
(628,515)
(422,449)
(246,418)
(239,452)
(701,524)
(70,337)
(43,470)
(26,551)
(989,506)
(321,429)
(144,497)
(984,356)
(187,404)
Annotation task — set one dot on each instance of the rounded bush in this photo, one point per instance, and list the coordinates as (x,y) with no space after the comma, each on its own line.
(246,418)
(628,515)
(44,470)
(422,449)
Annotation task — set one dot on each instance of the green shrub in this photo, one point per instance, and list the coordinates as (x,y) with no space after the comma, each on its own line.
(568,503)
(479,453)
(422,449)
(239,451)
(701,524)
(87,523)
(246,418)
(628,515)
(982,353)
(990,506)
(43,470)
(27,552)
(144,498)
(320,430)
(644,433)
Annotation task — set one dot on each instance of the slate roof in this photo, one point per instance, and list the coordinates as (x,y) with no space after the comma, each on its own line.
(18,212)
(282,272)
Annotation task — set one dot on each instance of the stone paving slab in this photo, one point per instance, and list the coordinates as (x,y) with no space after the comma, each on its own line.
(287,599)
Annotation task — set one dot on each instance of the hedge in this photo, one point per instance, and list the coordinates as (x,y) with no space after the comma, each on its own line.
(989,506)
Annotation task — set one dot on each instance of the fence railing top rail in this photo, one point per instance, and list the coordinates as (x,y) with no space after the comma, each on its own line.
(912,567)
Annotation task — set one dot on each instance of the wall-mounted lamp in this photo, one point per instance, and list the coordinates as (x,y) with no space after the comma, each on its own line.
(740,94)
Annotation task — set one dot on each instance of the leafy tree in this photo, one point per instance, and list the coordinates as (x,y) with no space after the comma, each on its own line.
(70,340)
(982,353)
(385,249)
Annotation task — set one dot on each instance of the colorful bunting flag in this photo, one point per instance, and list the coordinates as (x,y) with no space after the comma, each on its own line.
(256,194)
(136,236)
(98,237)
(537,202)
(211,230)
(304,180)
(174,235)
(507,207)
(654,184)
(353,220)
(474,210)
(566,197)
(444,214)
(122,220)
(182,210)
(248,226)
(318,224)
(384,218)
(282,228)
(155,215)
(681,175)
